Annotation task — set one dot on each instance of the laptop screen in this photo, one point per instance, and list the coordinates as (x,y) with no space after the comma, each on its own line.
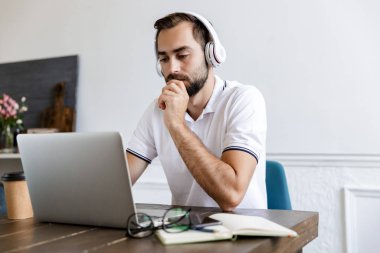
(78,178)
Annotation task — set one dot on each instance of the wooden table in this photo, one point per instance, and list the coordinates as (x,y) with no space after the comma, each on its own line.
(31,236)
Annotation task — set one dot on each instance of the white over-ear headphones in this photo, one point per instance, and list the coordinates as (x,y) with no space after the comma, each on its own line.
(214,51)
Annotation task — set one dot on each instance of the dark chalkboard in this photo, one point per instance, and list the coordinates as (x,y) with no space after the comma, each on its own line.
(36,80)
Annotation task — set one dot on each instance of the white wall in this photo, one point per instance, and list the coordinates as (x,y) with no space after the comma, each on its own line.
(317,63)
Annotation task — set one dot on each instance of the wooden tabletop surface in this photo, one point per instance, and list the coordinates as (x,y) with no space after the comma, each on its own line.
(31,236)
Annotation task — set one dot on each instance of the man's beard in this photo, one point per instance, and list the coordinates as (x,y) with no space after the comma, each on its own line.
(196,81)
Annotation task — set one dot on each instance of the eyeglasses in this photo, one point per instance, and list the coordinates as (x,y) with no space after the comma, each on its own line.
(175,220)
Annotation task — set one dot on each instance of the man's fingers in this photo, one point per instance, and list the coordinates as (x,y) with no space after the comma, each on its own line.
(172,91)
(168,92)
(162,106)
(164,97)
(175,85)
(182,86)
(161,102)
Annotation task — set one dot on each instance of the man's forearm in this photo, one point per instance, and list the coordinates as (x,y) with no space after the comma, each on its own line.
(216,177)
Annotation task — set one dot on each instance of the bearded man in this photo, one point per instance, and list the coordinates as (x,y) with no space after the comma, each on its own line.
(208,133)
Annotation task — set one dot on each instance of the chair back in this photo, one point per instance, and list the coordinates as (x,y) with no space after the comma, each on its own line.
(277,187)
(3,208)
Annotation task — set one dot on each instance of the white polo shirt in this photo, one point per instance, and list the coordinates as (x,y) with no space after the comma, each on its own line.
(233,119)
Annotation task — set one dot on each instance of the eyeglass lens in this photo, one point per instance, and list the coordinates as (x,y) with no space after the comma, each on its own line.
(176,220)
(139,225)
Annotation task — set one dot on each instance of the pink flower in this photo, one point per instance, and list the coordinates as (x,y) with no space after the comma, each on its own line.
(11,111)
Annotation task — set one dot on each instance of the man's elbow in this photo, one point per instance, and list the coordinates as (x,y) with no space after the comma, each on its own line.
(230,203)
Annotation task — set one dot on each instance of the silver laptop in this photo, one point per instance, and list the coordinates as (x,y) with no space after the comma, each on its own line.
(78,178)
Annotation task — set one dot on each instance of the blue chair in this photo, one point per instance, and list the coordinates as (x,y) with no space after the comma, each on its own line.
(277,187)
(3,208)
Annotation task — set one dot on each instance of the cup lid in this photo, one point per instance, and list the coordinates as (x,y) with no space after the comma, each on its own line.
(13,176)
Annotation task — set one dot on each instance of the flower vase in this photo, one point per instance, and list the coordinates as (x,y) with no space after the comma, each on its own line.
(6,140)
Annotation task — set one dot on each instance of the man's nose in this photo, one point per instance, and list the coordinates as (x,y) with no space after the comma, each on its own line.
(174,66)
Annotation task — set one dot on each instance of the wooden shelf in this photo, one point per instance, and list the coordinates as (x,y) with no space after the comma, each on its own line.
(10,156)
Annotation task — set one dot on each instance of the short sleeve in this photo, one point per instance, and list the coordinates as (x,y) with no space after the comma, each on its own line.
(246,123)
(142,142)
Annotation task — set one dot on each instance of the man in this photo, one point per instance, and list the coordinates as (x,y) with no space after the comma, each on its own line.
(209,134)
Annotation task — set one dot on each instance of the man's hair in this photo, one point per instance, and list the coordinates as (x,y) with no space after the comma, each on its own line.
(200,32)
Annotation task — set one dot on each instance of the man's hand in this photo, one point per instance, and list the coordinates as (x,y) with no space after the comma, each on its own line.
(174,101)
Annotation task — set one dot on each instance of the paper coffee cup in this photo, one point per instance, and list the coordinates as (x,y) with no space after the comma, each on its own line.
(17,196)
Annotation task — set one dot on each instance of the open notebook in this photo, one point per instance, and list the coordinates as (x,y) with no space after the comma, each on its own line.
(233,225)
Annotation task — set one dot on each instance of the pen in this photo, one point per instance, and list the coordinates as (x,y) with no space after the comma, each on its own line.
(209,230)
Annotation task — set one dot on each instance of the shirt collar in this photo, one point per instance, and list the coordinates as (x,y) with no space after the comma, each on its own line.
(218,88)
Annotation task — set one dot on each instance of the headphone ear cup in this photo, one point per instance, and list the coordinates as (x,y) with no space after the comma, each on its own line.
(158,69)
(219,53)
(207,54)
(210,48)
